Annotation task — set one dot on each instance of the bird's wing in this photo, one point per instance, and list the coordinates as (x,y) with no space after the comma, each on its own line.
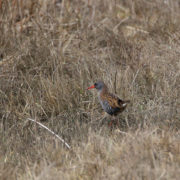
(112,100)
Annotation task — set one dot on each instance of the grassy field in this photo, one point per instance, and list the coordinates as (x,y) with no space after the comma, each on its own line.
(51,51)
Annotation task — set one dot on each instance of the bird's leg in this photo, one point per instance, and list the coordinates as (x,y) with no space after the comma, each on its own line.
(113,122)
(110,124)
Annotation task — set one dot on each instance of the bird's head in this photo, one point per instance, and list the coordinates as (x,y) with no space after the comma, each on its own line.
(98,85)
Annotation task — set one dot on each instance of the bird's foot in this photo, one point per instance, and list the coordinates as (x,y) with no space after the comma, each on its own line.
(113,123)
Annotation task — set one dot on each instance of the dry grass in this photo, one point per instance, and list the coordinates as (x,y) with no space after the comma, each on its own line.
(51,51)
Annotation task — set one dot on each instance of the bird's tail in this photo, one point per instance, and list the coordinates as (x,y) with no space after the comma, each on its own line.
(125,103)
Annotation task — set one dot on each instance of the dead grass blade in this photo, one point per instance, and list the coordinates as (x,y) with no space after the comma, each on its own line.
(62,140)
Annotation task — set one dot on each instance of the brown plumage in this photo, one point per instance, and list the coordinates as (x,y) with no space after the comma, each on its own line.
(111,104)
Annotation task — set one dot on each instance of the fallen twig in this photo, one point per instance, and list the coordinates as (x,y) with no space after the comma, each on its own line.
(62,140)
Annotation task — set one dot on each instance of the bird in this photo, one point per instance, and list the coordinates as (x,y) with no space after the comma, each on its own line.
(110,103)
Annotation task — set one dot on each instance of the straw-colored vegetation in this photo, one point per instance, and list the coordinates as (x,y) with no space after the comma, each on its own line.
(51,51)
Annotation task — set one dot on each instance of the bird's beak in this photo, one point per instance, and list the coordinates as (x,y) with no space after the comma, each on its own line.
(91,87)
